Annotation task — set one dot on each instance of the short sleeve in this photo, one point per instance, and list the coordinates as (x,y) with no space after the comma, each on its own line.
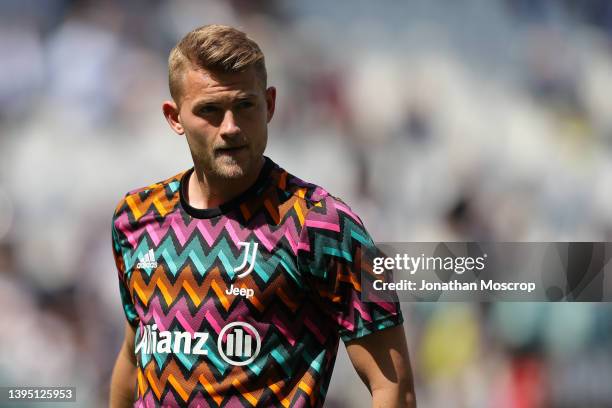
(335,253)
(124,288)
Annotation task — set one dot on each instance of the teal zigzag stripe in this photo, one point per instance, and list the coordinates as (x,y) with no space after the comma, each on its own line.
(221,251)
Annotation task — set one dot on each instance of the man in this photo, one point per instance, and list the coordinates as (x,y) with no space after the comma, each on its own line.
(237,278)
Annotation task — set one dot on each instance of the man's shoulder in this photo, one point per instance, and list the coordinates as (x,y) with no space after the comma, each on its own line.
(159,198)
(305,190)
(322,205)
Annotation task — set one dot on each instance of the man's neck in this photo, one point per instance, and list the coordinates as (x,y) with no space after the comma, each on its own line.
(205,191)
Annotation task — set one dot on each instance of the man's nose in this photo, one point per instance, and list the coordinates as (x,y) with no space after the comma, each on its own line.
(229,126)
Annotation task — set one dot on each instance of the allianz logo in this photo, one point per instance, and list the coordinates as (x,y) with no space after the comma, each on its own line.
(238,343)
(153,341)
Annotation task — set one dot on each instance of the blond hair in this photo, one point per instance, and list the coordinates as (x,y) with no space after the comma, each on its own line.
(216,48)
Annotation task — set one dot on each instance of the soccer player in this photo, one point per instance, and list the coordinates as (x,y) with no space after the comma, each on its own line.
(237,278)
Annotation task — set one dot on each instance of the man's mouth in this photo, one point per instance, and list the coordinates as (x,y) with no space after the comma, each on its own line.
(230,150)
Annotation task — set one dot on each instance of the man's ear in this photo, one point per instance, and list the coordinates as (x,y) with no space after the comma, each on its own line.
(171,113)
(270,102)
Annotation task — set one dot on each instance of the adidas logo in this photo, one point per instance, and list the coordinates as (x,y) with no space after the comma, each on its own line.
(147,261)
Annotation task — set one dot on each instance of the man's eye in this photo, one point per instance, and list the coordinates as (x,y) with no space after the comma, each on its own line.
(204,110)
(245,104)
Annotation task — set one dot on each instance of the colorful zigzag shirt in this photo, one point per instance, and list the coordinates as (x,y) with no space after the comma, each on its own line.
(242,305)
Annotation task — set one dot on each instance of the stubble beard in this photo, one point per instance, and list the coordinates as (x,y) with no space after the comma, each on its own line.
(224,167)
(229,168)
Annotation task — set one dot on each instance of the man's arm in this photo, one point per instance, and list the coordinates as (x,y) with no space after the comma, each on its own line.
(381,360)
(123,379)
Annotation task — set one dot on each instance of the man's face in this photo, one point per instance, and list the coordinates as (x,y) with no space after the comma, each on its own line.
(224,117)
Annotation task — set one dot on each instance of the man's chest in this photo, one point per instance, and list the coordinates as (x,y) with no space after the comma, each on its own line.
(232,298)
(215,270)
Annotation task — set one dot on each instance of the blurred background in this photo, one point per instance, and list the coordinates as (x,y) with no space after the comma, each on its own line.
(435,120)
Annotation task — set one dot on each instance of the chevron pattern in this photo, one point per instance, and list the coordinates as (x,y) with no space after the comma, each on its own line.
(304,293)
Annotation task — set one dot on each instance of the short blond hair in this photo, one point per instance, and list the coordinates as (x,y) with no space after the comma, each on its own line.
(216,48)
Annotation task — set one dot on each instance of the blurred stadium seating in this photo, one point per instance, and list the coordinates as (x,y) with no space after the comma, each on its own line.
(434,120)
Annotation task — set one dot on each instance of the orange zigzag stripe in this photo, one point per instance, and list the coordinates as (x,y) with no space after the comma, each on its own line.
(276,389)
(186,282)
(157,199)
(306,385)
(278,209)
(173,377)
(249,396)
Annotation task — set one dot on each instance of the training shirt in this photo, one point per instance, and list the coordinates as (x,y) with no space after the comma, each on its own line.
(242,305)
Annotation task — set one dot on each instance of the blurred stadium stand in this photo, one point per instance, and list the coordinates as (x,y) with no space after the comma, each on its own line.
(434,120)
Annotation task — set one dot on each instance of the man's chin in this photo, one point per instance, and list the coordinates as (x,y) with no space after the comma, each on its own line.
(230,168)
